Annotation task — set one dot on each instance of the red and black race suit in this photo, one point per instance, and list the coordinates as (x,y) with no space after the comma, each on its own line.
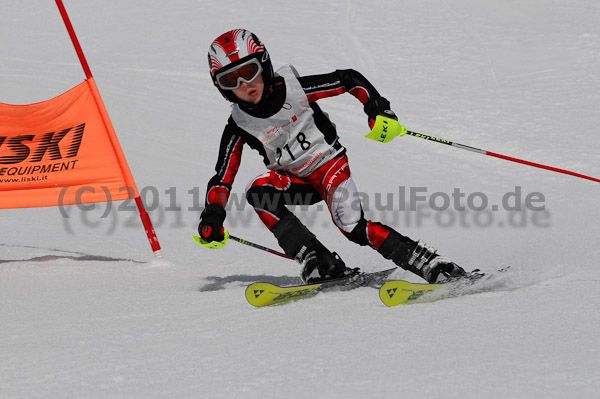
(316,87)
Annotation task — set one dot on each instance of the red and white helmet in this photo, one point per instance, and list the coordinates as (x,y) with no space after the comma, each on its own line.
(238,50)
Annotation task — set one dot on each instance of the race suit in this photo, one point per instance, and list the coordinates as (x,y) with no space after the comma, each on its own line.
(301,149)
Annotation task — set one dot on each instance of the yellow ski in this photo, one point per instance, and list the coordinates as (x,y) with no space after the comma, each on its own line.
(397,292)
(266,294)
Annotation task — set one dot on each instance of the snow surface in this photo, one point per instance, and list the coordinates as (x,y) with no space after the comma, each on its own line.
(85,312)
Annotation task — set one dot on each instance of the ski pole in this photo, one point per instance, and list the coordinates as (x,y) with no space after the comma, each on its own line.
(221,244)
(257,246)
(493,154)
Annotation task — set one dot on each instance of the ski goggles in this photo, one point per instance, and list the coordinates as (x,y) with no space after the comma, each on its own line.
(245,72)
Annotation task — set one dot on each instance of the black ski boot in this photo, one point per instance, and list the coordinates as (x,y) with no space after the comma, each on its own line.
(434,268)
(420,259)
(319,264)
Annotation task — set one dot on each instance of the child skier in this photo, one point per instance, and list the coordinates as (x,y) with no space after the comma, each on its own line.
(277,115)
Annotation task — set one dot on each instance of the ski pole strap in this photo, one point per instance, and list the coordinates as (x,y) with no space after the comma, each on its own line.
(505,157)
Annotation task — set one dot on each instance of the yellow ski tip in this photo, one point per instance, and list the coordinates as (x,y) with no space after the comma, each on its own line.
(398,292)
(266,294)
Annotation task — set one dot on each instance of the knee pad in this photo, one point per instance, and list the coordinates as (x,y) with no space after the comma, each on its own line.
(345,206)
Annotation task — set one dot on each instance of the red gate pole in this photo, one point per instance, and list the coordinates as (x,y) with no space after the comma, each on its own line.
(152,238)
(69,26)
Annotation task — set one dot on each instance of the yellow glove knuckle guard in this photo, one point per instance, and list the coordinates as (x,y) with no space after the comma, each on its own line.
(386,129)
(212,244)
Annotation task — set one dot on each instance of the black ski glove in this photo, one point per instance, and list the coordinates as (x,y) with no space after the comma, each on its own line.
(211,223)
(378,106)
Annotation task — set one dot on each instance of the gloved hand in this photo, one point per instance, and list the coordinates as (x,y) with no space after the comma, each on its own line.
(211,223)
(385,128)
(382,121)
(387,114)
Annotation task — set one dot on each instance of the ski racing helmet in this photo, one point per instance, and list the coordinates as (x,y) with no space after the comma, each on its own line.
(242,52)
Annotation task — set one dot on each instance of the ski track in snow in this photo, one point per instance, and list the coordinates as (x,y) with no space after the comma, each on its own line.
(85,312)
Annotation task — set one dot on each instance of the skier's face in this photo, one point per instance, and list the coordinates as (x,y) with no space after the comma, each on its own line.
(251,92)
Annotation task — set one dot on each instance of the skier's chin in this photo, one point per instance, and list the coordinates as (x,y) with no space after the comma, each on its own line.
(254,96)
